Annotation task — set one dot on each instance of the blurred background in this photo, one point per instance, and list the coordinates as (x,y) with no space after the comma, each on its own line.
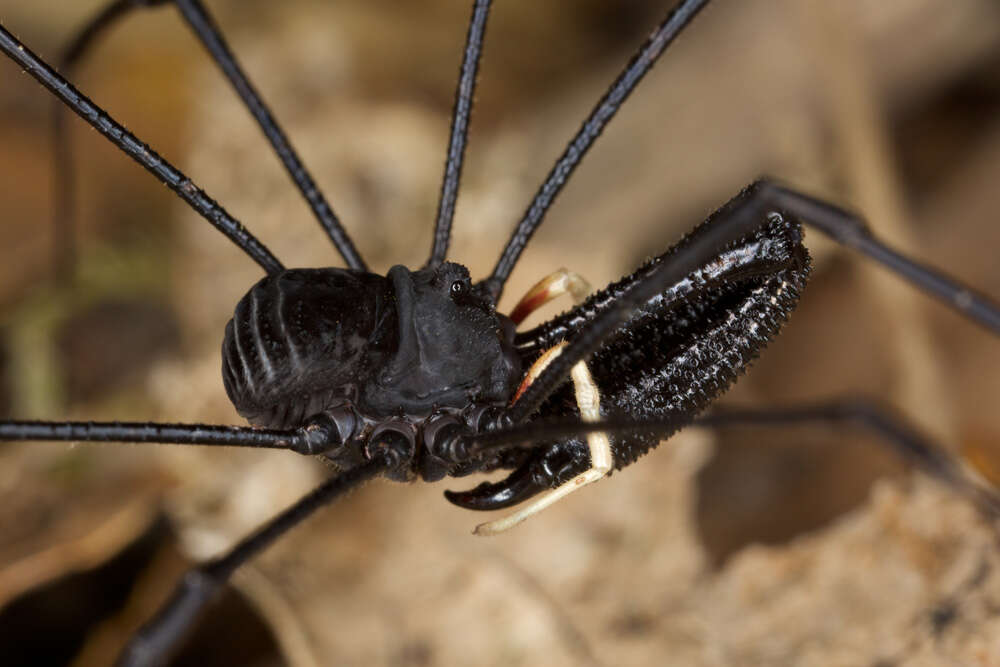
(790,546)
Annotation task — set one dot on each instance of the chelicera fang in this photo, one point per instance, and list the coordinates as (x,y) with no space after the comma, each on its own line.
(416,375)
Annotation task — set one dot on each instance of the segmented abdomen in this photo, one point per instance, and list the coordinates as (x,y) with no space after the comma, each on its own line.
(299,341)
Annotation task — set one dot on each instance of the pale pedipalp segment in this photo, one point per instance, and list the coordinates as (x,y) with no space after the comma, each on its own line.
(548,288)
(588,398)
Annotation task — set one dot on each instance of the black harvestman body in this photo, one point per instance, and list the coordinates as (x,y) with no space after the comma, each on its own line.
(780,193)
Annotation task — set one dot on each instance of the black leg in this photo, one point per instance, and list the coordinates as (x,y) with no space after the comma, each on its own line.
(84,39)
(158,638)
(322,433)
(204,27)
(128,143)
(459,131)
(893,431)
(211,38)
(850,229)
(679,17)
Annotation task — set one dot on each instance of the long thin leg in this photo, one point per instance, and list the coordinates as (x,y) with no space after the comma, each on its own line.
(84,40)
(205,28)
(164,172)
(893,431)
(678,18)
(850,229)
(459,131)
(322,433)
(211,37)
(158,638)
(748,211)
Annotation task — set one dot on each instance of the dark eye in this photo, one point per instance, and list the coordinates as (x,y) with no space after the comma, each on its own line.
(457,288)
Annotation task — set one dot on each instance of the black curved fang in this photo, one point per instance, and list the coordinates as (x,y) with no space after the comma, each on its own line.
(516,488)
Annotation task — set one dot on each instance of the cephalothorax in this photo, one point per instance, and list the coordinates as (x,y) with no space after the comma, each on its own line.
(416,375)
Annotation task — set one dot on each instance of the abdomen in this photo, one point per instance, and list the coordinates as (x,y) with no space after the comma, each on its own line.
(302,340)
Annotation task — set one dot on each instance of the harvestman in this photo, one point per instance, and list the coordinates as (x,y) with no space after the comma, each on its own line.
(415,375)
